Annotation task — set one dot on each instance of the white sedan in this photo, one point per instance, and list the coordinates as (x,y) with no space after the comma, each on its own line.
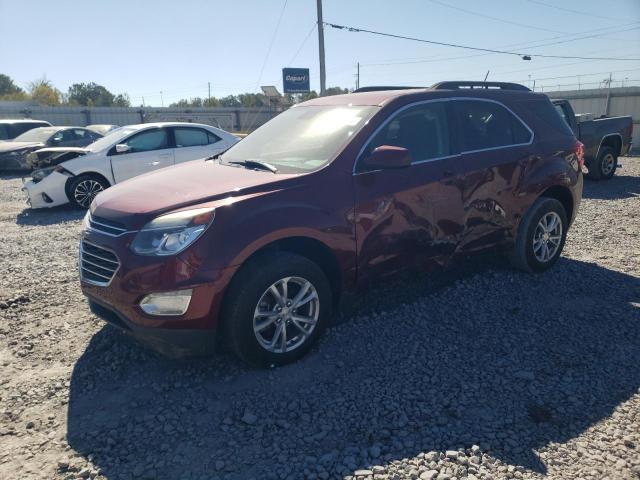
(77,175)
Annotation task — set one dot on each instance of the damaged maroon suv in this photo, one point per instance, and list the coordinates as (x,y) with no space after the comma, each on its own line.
(256,246)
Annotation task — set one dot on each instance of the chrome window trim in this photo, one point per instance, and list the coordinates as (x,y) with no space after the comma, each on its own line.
(531,138)
(447,99)
(385,123)
(93,282)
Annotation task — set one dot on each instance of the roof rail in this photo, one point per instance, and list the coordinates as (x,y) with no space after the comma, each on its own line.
(375,88)
(457,85)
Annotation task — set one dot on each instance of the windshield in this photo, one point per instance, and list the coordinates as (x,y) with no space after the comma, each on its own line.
(303,138)
(111,138)
(41,134)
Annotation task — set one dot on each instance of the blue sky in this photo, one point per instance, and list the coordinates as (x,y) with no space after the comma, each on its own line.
(143,47)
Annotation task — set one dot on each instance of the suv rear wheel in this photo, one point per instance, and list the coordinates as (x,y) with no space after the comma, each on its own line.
(605,165)
(276,308)
(541,236)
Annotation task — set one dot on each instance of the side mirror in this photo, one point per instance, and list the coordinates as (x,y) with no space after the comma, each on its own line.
(122,148)
(388,156)
(55,140)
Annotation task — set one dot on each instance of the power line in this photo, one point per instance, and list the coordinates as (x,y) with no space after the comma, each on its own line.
(304,41)
(524,56)
(266,57)
(573,11)
(530,44)
(502,20)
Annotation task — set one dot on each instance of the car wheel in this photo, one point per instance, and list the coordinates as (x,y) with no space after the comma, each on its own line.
(604,167)
(84,188)
(276,308)
(541,236)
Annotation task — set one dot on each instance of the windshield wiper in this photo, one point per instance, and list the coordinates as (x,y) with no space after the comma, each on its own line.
(255,163)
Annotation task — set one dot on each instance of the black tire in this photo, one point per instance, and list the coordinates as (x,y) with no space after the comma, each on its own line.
(79,189)
(523,256)
(245,294)
(604,167)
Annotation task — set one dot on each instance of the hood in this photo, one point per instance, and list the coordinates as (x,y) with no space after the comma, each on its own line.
(190,183)
(11,146)
(46,157)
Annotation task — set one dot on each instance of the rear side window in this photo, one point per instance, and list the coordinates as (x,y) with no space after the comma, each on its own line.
(191,137)
(483,125)
(546,112)
(423,130)
(4,132)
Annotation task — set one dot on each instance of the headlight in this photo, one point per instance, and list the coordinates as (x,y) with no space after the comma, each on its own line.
(45,172)
(172,233)
(42,173)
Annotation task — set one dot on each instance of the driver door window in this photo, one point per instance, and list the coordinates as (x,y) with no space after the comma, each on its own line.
(149,150)
(423,130)
(148,141)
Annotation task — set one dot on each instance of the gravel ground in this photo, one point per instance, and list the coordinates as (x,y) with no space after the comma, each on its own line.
(476,372)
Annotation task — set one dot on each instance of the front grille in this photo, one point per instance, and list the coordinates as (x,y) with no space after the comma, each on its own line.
(109,227)
(97,265)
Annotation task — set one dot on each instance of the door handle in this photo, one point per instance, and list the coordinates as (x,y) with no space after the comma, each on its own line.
(164,155)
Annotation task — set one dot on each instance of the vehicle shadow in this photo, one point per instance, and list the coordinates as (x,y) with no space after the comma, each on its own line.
(49,216)
(492,357)
(619,186)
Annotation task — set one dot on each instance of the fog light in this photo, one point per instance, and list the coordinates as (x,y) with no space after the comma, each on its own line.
(167,303)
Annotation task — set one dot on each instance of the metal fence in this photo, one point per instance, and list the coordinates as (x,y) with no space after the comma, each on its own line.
(231,119)
(614,101)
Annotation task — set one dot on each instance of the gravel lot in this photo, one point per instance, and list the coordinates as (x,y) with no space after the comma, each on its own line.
(476,372)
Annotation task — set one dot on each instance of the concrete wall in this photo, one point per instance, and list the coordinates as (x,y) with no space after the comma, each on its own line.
(230,119)
(621,101)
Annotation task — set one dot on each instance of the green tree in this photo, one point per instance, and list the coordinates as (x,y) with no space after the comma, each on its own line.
(336,91)
(122,100)
(230,101)
(42,91)
(252,100)
(8,87)
(90,94)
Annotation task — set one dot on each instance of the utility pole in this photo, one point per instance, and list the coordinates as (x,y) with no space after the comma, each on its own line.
(161,99)
(209,97)
(606,109)
(358,76)
(323,78)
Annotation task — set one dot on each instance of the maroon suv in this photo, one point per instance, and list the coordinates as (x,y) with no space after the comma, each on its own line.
(258,244)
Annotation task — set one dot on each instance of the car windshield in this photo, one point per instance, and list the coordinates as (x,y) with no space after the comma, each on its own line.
(40,134)
(111,138)
(303,138)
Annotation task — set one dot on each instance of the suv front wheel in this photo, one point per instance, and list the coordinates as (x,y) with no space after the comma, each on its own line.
(276,308)
(541,236)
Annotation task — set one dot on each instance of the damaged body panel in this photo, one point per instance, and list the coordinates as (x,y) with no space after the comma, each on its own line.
(13,155)
(74,174)
(47,157)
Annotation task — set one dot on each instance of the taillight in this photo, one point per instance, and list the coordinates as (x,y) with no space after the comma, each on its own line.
(580,154)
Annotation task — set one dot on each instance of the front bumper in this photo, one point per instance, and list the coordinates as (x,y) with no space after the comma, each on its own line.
(118,300)
(170,342)
(48,192)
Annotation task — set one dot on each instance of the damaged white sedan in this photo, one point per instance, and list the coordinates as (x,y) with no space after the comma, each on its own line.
(76,175)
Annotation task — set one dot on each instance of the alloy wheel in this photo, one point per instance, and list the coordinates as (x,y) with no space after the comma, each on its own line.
(286,315)
(86,191)
(547,237)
